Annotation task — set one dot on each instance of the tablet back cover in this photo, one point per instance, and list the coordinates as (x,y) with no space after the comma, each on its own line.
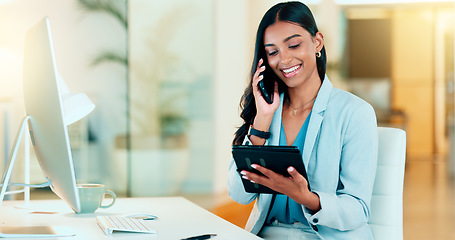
(275,158)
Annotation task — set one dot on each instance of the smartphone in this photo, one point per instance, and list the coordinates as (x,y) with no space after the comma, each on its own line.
(267,96)
(267,88)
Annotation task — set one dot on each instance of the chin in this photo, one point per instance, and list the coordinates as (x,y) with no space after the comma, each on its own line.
(293,82)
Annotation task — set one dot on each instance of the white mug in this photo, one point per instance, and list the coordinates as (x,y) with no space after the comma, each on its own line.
(91,197)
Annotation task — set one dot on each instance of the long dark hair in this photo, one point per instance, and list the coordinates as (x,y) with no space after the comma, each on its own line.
(293,12)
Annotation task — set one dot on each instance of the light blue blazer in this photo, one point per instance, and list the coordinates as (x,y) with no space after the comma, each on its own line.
(340,155)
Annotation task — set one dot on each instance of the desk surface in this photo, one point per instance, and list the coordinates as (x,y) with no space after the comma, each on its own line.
(177,218)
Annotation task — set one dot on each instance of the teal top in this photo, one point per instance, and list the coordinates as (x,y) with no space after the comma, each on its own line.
(285,209)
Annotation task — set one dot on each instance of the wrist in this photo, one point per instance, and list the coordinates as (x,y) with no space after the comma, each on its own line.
(262,123)
(258,133)
(308,199)
(256,140)
(313,202)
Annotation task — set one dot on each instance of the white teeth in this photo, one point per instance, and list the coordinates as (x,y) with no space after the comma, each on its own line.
(289,70)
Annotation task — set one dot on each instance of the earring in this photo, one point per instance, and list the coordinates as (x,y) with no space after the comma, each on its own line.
(318,54)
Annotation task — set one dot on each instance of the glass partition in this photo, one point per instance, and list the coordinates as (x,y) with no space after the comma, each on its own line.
(171,62)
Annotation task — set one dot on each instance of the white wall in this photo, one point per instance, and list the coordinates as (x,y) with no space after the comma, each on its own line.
(232,65)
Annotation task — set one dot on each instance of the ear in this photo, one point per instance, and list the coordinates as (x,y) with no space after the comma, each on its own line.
(319,41)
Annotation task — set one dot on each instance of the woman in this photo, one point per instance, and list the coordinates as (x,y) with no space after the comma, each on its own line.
(335,131)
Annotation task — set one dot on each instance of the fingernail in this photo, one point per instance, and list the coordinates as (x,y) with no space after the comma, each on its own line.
(243,172)
(253,166)
(245,177)
(291,169)
(263,67)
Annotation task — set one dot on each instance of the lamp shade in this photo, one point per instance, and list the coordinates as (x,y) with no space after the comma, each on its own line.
(75,105)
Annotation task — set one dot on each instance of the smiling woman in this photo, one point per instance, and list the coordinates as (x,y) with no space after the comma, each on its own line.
(334,130)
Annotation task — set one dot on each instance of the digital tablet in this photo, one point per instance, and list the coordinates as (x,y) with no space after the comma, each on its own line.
(275,158)
(36,232)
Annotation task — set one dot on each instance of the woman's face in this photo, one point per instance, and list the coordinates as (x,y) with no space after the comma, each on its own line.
(291,52)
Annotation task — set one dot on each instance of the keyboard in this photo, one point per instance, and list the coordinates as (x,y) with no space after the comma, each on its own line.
(110,224)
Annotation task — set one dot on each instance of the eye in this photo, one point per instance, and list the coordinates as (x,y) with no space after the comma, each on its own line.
(295,46)
(273,53)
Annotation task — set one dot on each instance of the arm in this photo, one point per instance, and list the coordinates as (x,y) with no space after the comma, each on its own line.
(349,207)
(235,186)
(264,111)
(262,121)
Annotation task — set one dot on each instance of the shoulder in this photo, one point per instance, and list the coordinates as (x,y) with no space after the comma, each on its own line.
(345,103)
(335,99)
(345,98)
(354,117)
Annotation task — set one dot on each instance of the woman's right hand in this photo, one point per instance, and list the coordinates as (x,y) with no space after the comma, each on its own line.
(264,111)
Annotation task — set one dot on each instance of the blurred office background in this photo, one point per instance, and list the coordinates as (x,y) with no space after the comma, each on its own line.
(167,77)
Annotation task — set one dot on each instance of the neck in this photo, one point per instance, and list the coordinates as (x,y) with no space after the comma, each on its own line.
(300,95)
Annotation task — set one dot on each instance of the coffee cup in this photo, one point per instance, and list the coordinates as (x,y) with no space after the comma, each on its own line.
(91,197)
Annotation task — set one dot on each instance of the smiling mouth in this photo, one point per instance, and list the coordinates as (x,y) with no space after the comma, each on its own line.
(289,72)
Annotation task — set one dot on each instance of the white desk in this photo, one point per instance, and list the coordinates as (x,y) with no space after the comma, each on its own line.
(177,218)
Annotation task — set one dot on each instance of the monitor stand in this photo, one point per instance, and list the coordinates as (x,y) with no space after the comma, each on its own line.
(12,158)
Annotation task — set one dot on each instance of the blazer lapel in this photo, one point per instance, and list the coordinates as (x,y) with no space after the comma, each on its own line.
(316,119)
(275,127)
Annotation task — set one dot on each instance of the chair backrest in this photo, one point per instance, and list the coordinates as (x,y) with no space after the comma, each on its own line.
(386,219)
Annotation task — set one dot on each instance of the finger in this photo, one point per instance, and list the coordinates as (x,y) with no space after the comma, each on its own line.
(271,179)
(261,61)
(276,94)
(247,178)
(249,175)
(254,178)
(258,76)
(261,64)
(244,174)
(260,67)
(295,175)
(267,172)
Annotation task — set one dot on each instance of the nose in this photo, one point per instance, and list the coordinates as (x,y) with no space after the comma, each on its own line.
(285,57)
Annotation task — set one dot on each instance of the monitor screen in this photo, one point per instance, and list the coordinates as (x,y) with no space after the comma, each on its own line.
(44,106)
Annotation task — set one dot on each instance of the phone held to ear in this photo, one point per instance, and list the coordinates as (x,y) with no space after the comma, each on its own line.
(267,88)
(267,96)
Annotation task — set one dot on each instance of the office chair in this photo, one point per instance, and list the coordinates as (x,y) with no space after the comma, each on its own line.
(386,219)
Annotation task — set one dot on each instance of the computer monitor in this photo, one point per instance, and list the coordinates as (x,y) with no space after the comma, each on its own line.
(44,104)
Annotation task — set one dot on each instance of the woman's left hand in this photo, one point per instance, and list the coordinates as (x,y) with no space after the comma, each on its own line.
(295,186)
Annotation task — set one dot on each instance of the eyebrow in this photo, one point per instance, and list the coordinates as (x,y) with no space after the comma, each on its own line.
(285,40)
